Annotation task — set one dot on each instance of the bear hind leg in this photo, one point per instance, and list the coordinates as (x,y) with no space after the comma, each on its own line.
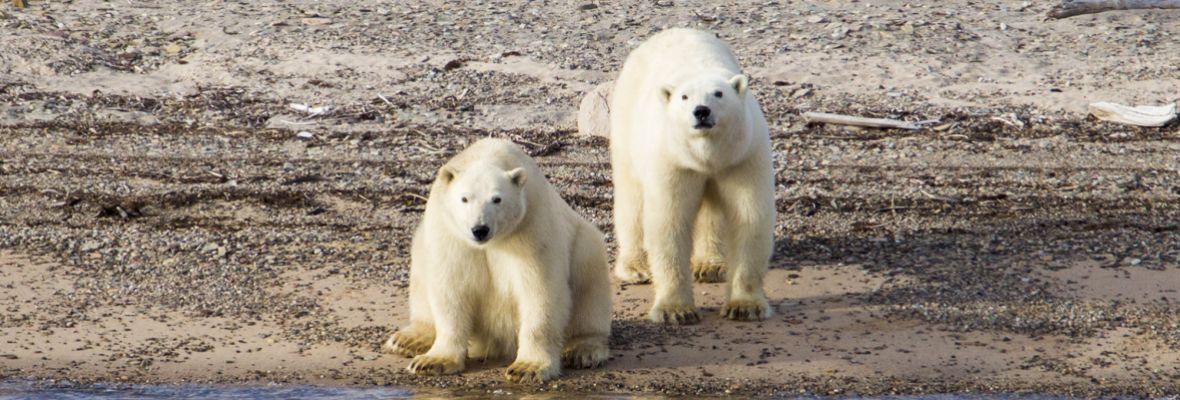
(631,265)
(708,261)
(585,352)
(588,331)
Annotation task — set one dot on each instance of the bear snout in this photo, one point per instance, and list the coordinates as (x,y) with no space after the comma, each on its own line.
(702,113)
(481,233)
(704,117)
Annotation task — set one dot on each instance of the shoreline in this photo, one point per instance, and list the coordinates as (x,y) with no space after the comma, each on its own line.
(824,340)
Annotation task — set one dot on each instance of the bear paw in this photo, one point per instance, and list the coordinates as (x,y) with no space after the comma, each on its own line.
(710,271)
(530,372)
(680,314)
(407,343)
(584,355)
(432,365)
(746,310)
(633,270)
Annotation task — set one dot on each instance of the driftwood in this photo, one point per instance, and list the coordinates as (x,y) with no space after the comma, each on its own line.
(1069,8)
(838,119)
(1138,116)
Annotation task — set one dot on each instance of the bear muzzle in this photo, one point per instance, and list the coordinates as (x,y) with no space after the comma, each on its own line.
(481,233)
(704,117)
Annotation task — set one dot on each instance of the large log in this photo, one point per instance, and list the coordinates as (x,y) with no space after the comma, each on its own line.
(827,118)
(1069,8)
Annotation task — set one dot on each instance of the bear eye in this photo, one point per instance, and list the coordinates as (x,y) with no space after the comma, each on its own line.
(496,200)
(684,97)
(463,199)
(717,93)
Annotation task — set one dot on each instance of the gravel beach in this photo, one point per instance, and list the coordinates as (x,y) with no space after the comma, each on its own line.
(224,191)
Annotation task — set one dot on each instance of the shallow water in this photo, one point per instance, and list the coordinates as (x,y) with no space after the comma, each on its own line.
(66,391)
(39,390)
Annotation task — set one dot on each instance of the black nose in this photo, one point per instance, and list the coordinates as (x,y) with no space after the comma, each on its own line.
(701,112)
(481,232)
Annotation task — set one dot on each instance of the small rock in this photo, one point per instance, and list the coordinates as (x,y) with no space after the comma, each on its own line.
(172,49)
(90,245)
(304,135)
(594,111)
(588,6)
(453,64)
(316,21)
(816,19)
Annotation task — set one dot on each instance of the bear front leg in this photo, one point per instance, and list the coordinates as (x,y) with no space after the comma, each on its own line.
(748,198)
(416,338)
(453,320)
(543,303)
(672,199)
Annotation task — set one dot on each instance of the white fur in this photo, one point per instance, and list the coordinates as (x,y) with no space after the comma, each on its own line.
(676,183)
(538,287)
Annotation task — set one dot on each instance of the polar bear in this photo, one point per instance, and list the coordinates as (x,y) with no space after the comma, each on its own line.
(501,264)
(694,184)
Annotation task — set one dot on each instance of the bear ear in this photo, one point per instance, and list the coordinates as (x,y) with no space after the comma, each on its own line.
(446,174)
(666,94)
(739,82)
(517,176)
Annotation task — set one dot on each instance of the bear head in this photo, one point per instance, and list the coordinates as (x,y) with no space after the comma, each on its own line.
(706,103)
(483,202)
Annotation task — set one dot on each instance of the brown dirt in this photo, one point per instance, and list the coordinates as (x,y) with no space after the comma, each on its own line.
(161,221)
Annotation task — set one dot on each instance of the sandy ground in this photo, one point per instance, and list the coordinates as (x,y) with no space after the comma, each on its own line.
(161,221)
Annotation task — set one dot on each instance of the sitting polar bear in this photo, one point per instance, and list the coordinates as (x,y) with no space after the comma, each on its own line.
(500,263)
(689,144)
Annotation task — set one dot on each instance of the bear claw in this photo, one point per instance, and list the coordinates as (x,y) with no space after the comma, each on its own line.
(708,271)
(633,272)
(584,355)
(430,365)
(407,344)
(529,372)
(675,315)
(746,310)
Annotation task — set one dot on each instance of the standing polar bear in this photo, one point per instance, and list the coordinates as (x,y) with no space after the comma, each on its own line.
(500,263)
(689,144)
